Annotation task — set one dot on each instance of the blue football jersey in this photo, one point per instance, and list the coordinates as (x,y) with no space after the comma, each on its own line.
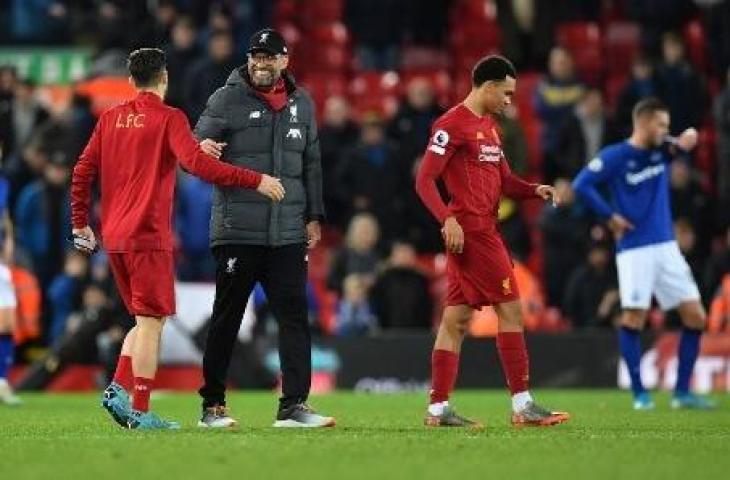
(638,183)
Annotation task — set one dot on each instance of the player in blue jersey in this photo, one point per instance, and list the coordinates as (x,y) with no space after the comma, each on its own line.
(7,298)
(636,174)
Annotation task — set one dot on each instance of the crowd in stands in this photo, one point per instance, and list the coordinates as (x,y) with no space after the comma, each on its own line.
(380,72)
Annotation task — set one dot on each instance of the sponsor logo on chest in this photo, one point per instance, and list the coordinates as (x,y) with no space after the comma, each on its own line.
(490,153)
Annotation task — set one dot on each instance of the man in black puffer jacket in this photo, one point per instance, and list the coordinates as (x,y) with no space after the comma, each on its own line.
(265,122)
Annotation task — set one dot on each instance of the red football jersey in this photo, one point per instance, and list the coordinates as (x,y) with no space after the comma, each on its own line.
(134,150)
(466,151)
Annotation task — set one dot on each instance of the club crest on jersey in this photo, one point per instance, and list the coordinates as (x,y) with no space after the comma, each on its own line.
(439,141)
(480,135)
(595,165)
(293,113)
(656,157)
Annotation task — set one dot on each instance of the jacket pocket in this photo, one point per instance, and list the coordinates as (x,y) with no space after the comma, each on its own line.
(250,135)
(295,137)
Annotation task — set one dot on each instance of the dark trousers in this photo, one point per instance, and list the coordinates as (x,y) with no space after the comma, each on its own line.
(282,272)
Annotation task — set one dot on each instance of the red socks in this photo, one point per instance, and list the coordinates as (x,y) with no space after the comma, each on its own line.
(142,390)
(444,367)
(513,355)
(123,374)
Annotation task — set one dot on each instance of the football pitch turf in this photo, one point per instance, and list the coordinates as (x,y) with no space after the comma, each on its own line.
(56,436)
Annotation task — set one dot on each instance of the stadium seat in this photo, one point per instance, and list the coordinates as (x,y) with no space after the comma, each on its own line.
(696,40)
(612,91)
(375,92)
(706,156)
(440,80)
(324,11)
(333,33)
(622,43)
(526,84)
(583,41)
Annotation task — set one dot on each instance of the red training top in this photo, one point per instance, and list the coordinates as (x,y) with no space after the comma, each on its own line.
(134,149)
(466,151)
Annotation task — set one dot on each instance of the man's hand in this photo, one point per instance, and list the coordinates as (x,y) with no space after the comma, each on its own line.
(453,235)
(271,187)
(314,233)
(548,192)
(619,225)
(84,240)
(212,148)
(687,140)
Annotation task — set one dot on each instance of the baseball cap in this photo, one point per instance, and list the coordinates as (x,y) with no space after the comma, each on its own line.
(269,41)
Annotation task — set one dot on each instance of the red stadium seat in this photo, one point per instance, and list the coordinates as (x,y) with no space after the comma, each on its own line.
(706,155)
(321,86)
(614,85)
(622,43)
(334,33)
(526,84)
(583,41)
(285,11)
(321,11)
(440,81)
(696,40)
(375,92)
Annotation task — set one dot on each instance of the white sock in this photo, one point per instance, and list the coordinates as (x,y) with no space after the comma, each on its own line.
(437,409)
(520,401)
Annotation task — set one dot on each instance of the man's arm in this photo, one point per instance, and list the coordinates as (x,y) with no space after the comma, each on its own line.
(589,178)
(513,186)
(193,160)
(83,176)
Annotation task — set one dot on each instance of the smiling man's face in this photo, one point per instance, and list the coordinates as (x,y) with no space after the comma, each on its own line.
(265,69)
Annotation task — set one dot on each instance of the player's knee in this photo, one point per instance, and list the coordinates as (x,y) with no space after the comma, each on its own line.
(694,317)
(633,319)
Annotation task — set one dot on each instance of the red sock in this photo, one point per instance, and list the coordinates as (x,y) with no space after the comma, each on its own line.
(123,374)
(142,390)
(513,355)
(444,367)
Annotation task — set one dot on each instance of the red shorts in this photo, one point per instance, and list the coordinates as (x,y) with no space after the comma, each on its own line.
(146,281)
(482,274)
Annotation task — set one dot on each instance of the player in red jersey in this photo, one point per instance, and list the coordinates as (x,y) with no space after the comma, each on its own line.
(135,149)
(466,152)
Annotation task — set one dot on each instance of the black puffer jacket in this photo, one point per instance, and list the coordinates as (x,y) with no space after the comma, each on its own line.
(283,144)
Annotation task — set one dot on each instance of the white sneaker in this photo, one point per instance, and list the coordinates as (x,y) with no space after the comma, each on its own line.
(216,417)
(7,396)
(302,415)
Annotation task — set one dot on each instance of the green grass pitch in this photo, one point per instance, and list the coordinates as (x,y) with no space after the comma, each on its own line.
(378,437)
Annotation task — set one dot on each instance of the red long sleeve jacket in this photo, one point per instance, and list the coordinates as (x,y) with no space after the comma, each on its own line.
(134,150)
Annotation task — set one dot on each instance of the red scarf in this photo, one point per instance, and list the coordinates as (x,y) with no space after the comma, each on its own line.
(276,97)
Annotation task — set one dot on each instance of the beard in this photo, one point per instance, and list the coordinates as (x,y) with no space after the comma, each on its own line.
(263,77)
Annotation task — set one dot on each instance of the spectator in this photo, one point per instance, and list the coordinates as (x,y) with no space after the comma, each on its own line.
(642,84)
(38,21)
(583,134)
(43,219)
(565,230)
(689,201)
(401,297)
(64,292)
(555,98)
(354,316)
(180,53)
(514,142)
(418,226)
(18,123)
(411,126)
(722,122)
(372,177)
(192,223)
(376,26)
(683,89)
(591,295)
(717,267)
(359,255)
(337,134)
(657,17)
(719,318)
(208,74)
(514,229)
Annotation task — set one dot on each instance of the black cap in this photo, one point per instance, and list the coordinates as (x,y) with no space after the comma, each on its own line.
(269,41)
